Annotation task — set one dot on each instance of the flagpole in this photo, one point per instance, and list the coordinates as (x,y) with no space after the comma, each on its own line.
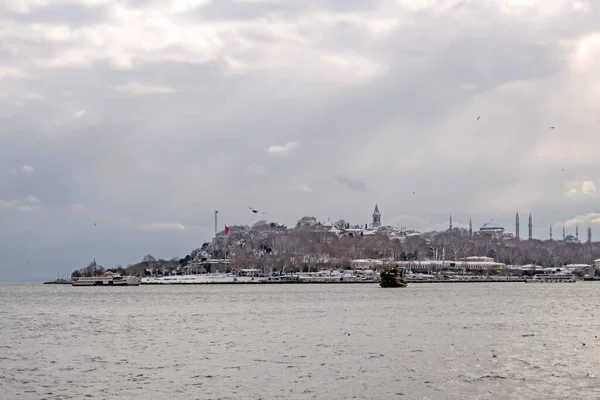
(216,212)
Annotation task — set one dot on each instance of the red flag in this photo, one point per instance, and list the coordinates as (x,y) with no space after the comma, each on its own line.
(226,230)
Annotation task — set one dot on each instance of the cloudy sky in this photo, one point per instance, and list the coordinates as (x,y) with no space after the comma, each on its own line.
(124,124)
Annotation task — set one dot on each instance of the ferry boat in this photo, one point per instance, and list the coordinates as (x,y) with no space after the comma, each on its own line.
(553,278)
(108,279)
(392,276)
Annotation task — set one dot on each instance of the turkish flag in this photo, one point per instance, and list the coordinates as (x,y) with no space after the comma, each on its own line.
(226,230)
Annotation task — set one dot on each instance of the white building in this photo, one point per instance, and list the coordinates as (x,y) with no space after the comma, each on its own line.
(366,264)
(462,265)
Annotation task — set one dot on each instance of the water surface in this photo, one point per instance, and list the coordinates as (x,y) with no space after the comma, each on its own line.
(428,341)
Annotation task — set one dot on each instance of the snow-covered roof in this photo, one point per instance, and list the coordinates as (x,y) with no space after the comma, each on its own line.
(491,225)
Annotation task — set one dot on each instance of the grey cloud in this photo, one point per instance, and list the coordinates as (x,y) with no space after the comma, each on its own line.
(61,13)
(235,10)
(352,184)
(175,157)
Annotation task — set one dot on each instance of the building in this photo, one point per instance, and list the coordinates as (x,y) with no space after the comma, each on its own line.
(469,264)
(571,239)
(492,229)
(376,218)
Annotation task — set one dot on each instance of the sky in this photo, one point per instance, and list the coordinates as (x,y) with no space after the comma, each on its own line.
(125,124)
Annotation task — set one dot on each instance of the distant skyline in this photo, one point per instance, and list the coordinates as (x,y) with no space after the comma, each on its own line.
(124,125)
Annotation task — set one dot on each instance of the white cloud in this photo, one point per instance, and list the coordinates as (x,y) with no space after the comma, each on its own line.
(29,203)
(158,227)
(588,187)
(581,220)
(302,188)
(8,73)
(27,169)
(282,150)
(138,88)
(77,207)
(571,192)
(573,188)
(79,114)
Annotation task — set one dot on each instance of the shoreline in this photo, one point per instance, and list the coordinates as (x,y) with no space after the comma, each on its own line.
(321,283)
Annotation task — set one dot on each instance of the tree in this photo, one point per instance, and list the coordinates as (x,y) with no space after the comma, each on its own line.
(149,259)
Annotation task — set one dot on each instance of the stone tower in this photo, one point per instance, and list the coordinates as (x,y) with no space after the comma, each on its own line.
(577,231)
(550,232)
(376,217)
(470,227)
(450,225)
(530,227)
(563,231)
(589,234)
(517,226)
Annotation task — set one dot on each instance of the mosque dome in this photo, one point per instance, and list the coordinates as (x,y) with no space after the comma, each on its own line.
(571,239)
(491,226)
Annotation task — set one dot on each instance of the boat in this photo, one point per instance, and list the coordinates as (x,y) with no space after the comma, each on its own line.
(393,276)
(591,278)
(58,282)
(553,278)
(107,279)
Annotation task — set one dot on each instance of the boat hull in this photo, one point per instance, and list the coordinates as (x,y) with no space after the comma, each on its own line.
(396,284)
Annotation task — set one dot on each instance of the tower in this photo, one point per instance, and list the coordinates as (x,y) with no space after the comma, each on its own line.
(589,234)
(530,227)
(470,227)
(517,226)
(577,231)
(563,231)
(450,226)
(376,217)
(551,232)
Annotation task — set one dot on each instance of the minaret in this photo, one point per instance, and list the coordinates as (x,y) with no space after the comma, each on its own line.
(530,227)
(550,231)
(577,231)
(563,231)
(450,226)
(517,226)
(589,234)
(470,227)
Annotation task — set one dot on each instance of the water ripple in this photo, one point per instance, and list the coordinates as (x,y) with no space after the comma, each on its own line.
(299,342)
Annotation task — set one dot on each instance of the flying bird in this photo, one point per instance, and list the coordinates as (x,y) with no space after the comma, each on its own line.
(551,127)
(478,118)
(256,211)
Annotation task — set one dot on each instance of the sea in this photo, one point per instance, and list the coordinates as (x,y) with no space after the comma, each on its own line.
(426,341)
